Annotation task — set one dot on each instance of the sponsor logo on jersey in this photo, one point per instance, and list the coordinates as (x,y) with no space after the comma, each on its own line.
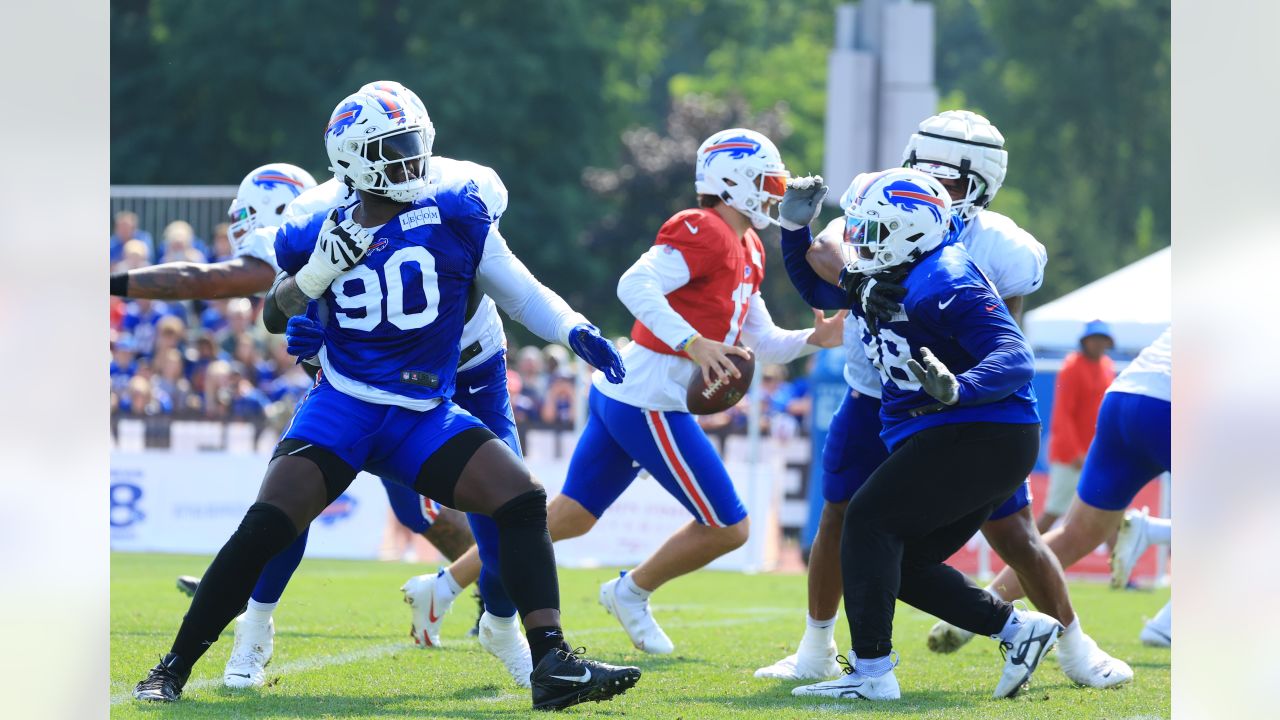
(738,147)
(271,180)
(420,217)
(338,510)
(343,118)
(911,197)
(693,229)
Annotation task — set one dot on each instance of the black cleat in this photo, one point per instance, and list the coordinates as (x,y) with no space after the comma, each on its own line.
(565,678)
(187,585)
(164,682)
(475,629)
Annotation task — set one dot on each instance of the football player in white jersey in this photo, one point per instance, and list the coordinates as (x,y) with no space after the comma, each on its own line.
(966,153)
(1131,448)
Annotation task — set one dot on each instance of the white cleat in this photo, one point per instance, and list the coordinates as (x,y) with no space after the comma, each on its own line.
(1093,667)
(854,686)
(428,610)
(947,638)
(503,639)
(811,666)
(1037,635)
(1131,542)
(1158,632)
(636,619)
(250,653)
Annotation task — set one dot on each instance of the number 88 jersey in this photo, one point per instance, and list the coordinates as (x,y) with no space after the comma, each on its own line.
(393,322)
(951,308)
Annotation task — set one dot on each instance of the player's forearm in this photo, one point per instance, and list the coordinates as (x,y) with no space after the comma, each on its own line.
(194,281)
(823,255)
(503,277)
(284,300)
(815,291)
(770,343)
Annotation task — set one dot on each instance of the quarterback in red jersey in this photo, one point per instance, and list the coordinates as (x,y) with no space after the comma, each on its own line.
(695,295)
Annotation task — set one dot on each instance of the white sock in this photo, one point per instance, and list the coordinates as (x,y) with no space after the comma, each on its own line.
(1159,530)
(259,612)
(1073,639)
(628,590)
(993,592)
(819,635)
(448,590)
(1011,626)
(1163,621)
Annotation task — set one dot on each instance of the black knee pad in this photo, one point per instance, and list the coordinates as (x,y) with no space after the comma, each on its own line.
(526,510)
(439,475)
(265,528)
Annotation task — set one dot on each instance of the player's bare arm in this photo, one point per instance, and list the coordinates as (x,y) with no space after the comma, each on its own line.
(238,277)
(284,300)
(825,258)
(828,332)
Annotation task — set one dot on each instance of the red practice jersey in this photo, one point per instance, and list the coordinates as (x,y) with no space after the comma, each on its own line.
(724,272)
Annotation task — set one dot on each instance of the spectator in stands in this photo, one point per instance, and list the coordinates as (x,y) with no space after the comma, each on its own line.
(140,398)
(249,355)
(247,402)
(217,390)
(171,380)
(559,405)
(1077,394)
(214,316)
(171,334)
(123,361)
(220,247)
(135,254)
(531,364)
(239,322)
(180,243)
(125,228)
(558,361)
(140,319)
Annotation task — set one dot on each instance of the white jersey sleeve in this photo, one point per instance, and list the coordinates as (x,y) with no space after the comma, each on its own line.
(504,278)
(1151,373)
(325,196)
(643,289)
(771,343)
(1009,256)
(260,244)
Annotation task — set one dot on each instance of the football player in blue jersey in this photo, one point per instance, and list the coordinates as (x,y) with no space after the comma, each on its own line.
(393,274)
(265,197)
(959,420)
(965,152)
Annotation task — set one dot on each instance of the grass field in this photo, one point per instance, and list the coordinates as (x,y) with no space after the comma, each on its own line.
(343,651)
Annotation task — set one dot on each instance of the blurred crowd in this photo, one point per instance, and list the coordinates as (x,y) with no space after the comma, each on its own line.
(213,360)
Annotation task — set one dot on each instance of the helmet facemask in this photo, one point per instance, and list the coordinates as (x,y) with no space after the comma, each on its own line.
(754,193)
(393,165)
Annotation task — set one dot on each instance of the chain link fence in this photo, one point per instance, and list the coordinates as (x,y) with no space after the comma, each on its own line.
(204,206)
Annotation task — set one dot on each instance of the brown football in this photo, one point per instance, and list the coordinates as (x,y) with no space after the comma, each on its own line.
(704,399)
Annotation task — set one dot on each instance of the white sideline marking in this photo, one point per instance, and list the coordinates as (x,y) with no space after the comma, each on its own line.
(377,651)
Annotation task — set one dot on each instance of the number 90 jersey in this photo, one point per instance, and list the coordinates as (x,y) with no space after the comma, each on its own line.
(393,322)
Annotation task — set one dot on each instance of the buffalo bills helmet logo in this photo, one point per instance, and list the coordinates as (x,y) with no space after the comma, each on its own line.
(738,147)
(911,197)
(343,118)
(271,180)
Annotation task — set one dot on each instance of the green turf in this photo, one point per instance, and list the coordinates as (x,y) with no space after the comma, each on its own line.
(342,650)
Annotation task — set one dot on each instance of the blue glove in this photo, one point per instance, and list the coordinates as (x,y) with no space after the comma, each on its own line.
(304,334)
(587,343)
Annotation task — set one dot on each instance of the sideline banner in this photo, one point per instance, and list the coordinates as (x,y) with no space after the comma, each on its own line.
(191,503)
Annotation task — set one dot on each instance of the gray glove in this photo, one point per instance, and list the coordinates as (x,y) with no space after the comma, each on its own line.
(936,379)
(802,202)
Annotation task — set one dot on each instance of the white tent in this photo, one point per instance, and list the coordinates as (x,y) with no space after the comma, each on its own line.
(1135,300)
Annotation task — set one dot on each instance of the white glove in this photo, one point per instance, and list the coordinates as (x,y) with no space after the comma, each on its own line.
(338,249)
(802,202)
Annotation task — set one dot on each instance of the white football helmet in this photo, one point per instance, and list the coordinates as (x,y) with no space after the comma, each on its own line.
(263,196)
(408,97)
(961,145)
(742,168)
(893,217)
(373,132)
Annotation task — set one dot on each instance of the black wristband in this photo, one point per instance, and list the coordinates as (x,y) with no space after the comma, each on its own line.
(120,283)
